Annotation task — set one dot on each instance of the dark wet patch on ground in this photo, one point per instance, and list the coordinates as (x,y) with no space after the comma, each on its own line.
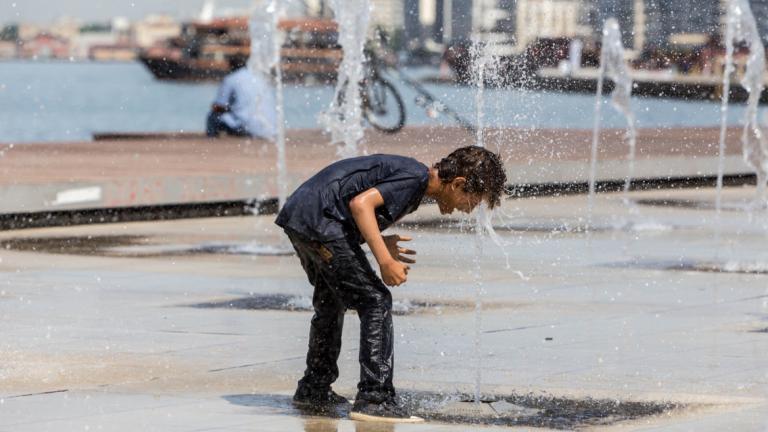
(691,204)
(533,410)
(242,249)
(295,303)
(752,268)
(283,405)
(527,410)
(85,245)
(133,246)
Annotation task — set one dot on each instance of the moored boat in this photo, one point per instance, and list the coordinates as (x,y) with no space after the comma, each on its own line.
(310,50)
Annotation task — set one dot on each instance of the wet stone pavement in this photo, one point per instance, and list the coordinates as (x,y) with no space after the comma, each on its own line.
(652,317)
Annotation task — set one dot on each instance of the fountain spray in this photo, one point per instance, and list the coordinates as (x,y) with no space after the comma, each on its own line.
(265,58)
(614,67)
(344,119)
(484,66)
(479,60)
(742,27)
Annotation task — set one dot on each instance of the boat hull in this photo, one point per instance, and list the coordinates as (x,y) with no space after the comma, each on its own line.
(164,68)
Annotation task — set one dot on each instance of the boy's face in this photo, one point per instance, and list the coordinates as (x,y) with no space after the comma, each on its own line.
(455,198)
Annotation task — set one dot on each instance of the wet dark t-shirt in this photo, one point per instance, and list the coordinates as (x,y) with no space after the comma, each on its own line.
(319,208)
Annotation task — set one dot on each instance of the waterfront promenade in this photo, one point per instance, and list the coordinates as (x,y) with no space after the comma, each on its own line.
(652,318)
(44,177)
(201,324)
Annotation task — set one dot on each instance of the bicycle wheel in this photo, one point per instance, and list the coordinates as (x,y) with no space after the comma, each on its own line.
(383,107)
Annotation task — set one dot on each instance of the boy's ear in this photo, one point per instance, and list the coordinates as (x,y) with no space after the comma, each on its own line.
(458,183)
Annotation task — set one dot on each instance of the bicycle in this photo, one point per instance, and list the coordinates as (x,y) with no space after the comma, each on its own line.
(382,104)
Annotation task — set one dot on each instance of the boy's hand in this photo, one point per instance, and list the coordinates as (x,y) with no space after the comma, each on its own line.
(393,272)
(396,251)
(388,254)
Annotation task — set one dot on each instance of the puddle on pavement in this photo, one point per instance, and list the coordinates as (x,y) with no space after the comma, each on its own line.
(85,245)
(297,303)
(501,410)
(735,267)
(536,227)
(458,226)
(252,249)
(135,246)
(692,204)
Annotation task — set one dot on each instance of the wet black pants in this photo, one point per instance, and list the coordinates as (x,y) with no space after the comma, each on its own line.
(343,279)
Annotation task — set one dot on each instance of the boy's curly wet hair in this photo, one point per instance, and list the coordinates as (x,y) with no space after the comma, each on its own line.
(483,170)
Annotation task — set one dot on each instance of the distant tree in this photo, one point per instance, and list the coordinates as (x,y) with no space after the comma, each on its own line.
(96,28)
(9,33)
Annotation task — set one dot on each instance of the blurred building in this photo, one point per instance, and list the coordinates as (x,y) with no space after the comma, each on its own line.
(506,27)
(434,23)
(26,31)
(669,21)
(411,23)
(65,28)
(548,19)
(95,40)
(663,24)
(317,8)
(44,46)
(7,49)
(112,53)
(760,9)
(388,15)
(154,29)
(486,17)
(629,13)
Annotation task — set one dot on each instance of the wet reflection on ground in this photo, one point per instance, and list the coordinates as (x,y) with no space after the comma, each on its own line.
(459,226)
(704,266)
(499,410)
(695,204)
(296,303)
(538,226)
(136,246)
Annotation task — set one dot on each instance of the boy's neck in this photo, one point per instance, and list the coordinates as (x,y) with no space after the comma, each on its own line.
(434,185)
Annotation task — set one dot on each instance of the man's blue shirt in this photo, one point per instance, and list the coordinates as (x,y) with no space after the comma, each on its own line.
(319,208)
(251,102)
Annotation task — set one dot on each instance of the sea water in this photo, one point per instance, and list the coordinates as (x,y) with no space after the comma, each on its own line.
(63,101)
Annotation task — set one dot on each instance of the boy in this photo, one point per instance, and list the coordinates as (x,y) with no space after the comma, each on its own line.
(328,217)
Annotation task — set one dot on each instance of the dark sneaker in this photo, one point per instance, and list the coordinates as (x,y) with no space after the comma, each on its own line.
(311,397)
(385,412)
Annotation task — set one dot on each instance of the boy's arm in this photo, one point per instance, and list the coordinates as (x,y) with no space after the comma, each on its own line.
(363,209)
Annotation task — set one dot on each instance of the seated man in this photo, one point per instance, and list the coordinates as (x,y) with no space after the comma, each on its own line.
(244,105)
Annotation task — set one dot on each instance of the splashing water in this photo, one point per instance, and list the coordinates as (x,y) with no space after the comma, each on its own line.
(344,119)
(478,276)
(479,60)
(614,67)
(485,68)
(265,57)
(742,27)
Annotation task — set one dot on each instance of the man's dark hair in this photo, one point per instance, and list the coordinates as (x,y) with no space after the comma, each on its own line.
(483,170)
(237,61)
